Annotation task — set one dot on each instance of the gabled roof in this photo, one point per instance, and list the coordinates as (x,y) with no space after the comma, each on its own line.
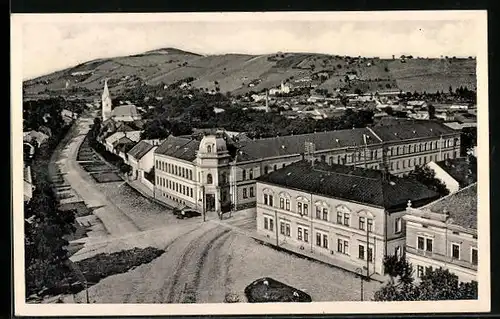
(412,130)
(460,169)
(295,144)
(350,183)
(125,110)
(179,147)
(461,207)
(122,140)
(140,149)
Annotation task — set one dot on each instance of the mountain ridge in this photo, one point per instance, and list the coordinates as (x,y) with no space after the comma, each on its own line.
(241,73)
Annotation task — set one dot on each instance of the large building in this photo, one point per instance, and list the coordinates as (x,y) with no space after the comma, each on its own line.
(215,170)
(444,234)
(350,214)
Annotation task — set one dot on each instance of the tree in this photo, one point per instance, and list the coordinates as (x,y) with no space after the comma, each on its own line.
(436,284)
(426,176)
(468,139)
(388,110)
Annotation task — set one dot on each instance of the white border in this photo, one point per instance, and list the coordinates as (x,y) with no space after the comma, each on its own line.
(480,305)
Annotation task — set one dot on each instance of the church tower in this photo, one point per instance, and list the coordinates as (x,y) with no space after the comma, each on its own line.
(106,102)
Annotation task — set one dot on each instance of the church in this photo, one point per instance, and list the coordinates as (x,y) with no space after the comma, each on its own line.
(121,113)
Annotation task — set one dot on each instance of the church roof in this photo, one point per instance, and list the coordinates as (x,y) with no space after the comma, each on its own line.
(125,110)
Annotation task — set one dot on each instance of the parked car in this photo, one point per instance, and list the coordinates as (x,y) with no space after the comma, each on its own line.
(187,213)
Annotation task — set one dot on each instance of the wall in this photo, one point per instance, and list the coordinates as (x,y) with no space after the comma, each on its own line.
(331,228)
(443,176)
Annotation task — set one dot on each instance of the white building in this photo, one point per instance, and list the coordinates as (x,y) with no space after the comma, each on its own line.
(141,159)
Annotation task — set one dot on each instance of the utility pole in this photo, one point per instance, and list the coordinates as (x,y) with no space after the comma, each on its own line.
(203,202)
(367,251)
(359,271)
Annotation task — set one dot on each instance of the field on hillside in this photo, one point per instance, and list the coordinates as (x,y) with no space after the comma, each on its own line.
(234,72)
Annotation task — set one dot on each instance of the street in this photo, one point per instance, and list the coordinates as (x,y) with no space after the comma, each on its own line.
(202,261)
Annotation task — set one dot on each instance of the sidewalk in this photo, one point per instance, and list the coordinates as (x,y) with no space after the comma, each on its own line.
(148,193)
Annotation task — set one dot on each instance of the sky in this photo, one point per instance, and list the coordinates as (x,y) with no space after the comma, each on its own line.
(51,43)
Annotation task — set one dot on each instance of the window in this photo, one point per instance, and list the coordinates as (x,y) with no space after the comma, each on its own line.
(190,174)
(270,200)
(397,251)
(428,244)
(183,172)
(420,243)
(245,195)
(252,192)
(306,235)
(318,239)
(283,165)
(266,170)
(224,178)
(209,149)
(370,254)
(398,225)
(282,228)
(266,199)
(250,173)
(209,179)
(339,217)
(287,204)
(287,229)
(455,251)
(346,219)
(306,209)
(362,223)
(343,246)
(397,164)
(325,214)
(275,167)
(268,223)
(191,192)
(282,203)
(474,256)
(271,224)
(420,271)
(299,233)
(325,241)
(318,212)
(299,208)
(176,170)
(370,224)
(244,174)
(361,252)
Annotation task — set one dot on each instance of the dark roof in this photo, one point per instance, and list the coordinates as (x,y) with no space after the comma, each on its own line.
(411,130)
(461,206)
(179,147)
(122,140)
(351,183)
(295,144)
(140,149)
(460,170)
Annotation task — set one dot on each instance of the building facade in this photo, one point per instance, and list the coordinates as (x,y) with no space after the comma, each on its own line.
(398,148)
(444,234)
(352,215)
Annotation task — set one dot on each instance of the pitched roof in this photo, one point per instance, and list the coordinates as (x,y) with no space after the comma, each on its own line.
(295,144)
(140,149)
(122,140)
(179,147)
(411,130)
(351,183)
(461,206)
(125,110)
(460,169)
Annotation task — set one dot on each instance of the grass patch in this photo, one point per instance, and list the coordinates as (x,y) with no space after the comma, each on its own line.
(106,177)
(96,167)
(270,290)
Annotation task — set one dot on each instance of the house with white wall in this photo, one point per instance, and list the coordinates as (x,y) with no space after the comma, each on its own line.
(141,159)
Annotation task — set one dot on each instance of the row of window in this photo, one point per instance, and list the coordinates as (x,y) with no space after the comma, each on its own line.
(250,192)
(408,163)
(426,244)
(177,187)
(321,239)
(174,169)
(421,147)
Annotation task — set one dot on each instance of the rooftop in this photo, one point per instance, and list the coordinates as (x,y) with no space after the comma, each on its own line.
(140,149)
(125,110)
(461,207)
(351,183)
(460,169)
(179,147)
(412,130)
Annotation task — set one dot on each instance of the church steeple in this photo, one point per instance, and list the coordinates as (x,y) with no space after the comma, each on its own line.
(106,102)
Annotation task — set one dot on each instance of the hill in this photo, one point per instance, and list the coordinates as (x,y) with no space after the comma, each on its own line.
(241,73)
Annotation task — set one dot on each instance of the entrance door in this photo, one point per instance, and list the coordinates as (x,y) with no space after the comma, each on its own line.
(210,202)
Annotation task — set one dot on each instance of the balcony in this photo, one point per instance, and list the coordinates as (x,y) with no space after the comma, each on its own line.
(440,257)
